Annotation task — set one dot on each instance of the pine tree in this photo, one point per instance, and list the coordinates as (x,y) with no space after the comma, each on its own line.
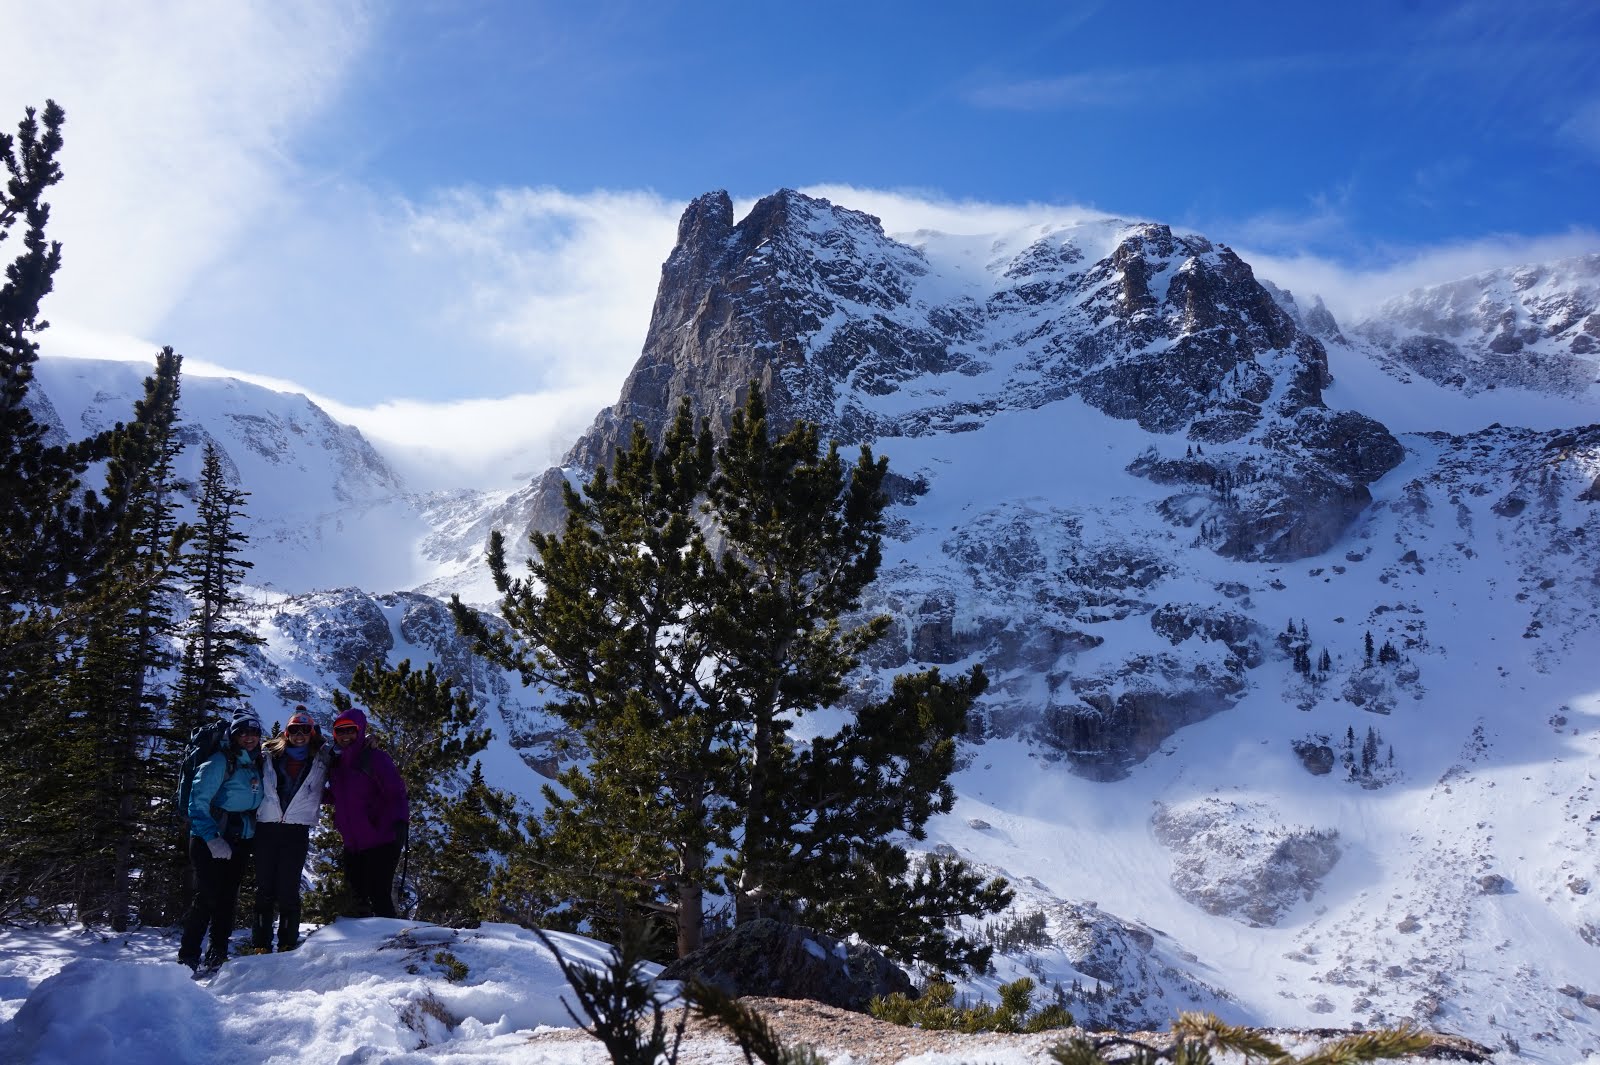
(114,705)
(1325,663)
(213,569)
(1369,751)
(46,523)
(684,668)
(1367,647)
(454,885)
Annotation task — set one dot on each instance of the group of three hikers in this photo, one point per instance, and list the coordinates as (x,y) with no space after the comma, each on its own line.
(255,799)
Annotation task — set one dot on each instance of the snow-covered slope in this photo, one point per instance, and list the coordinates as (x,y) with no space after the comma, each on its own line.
(1534,327)
(325,510)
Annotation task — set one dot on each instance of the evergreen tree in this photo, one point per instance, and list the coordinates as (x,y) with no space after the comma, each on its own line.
(683,668)
(1369,751)
(1367,647)
(1325,663)
(114,705)
(46,522)
(213,569)
(454,886)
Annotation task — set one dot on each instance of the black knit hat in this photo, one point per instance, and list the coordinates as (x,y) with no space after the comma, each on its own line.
(244,720)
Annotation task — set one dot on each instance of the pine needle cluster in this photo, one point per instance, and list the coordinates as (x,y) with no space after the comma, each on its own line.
(1197,1037)
(935,1010)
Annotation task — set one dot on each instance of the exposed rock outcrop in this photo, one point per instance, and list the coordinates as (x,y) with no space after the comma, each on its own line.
(765,957)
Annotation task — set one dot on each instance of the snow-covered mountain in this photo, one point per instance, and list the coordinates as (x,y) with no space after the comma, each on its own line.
(1534,327)
(326,510)
(1139,486)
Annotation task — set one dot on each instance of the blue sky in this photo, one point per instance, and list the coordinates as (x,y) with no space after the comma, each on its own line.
(457,211)
(1371,124)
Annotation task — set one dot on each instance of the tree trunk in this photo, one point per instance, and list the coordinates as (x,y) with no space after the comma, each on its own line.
(691,904)
(746,901)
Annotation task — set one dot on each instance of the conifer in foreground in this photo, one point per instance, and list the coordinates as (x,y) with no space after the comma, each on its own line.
(695,605)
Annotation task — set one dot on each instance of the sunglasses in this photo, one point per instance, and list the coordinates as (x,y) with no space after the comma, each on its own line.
(301,729)
(346,730)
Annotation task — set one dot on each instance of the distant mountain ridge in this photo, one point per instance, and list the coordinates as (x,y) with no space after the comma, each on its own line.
(1535,327)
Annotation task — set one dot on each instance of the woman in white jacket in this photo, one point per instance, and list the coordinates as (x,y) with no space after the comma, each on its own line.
(294,766)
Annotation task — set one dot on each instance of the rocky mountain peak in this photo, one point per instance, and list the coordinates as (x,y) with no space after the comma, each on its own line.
(873,338)
(1533,327)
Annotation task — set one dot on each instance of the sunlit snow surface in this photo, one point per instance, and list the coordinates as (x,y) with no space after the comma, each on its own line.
(356,991)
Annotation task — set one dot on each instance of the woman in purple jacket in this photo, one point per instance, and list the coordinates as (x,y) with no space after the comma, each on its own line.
(371,812)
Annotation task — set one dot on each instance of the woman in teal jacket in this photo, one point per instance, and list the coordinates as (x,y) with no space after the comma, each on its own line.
(222,821)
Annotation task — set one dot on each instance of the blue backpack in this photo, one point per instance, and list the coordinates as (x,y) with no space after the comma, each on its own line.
(205,741)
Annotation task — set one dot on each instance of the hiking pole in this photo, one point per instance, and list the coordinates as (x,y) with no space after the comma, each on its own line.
(405,869)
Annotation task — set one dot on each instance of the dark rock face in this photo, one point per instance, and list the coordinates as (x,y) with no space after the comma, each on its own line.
(1318,758)
(346,627)
(1121,717)
(750,302)
(1181,622)
(764,957)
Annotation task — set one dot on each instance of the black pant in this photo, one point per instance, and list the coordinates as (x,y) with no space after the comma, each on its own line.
(280,858)
(216,892)
(370,874)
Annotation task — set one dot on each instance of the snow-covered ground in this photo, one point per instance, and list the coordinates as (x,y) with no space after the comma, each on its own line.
(373,990)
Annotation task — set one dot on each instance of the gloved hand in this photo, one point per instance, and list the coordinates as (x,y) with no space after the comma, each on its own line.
(402,832)
(219,848)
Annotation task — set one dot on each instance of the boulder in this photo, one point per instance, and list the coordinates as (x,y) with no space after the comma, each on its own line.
(766,957)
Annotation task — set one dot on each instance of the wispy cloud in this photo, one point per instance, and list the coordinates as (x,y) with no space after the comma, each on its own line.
(1583,127)
(1128,87)
(1069,91)
(565,280)
(1354,291)
(908,211)
(179,121)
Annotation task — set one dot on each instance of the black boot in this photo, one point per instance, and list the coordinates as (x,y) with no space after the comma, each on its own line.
(261,932)
(288,928)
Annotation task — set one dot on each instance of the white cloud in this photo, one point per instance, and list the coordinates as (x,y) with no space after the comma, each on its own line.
(493,443)
(565,281)
(179,116)
(904,212)
(1351,292)
(1093,90)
